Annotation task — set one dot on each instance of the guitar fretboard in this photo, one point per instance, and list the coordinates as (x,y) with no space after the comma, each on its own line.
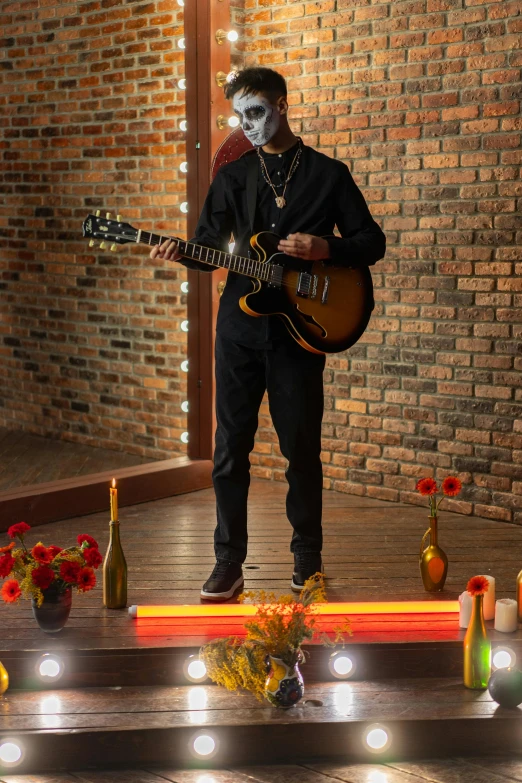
(240,264)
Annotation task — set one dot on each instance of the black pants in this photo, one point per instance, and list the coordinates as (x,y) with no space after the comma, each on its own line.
(293,378)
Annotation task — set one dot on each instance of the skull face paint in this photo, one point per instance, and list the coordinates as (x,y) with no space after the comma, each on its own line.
(258,117)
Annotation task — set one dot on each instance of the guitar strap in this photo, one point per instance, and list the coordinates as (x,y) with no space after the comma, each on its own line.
(251,187)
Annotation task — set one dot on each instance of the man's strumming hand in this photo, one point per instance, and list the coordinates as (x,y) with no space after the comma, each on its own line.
(305,246)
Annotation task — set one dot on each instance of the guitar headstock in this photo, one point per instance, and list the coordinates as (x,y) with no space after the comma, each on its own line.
(108,230)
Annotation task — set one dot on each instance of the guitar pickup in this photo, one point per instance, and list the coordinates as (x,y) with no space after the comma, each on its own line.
(304,284)
(275,278)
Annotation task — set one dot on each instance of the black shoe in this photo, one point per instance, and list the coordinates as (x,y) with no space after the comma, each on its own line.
(224,580)
(306,564)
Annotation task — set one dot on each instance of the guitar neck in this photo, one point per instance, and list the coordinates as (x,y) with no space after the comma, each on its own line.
(218,258)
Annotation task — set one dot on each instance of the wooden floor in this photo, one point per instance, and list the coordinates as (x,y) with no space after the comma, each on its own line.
(370,553)
(454,770)
(30,459)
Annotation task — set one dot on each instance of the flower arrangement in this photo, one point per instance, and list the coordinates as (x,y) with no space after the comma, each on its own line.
(451,487)
(279,628)
(29,572)
(478,585)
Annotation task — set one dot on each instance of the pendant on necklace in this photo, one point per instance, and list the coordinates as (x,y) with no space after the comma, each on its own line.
(280,202)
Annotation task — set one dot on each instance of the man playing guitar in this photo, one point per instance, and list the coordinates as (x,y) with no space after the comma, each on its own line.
(301,194)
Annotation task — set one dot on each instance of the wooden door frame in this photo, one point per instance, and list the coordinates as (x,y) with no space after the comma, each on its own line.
(51,501)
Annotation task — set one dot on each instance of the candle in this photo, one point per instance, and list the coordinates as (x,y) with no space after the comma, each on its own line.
(506,617)
(114,501)
(465,607)
(489,598)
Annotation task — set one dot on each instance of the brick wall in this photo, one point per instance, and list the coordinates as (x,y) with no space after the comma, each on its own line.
(90,341)
(422,101)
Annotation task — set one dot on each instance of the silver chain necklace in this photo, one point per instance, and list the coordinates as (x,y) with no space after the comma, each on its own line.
(280,200)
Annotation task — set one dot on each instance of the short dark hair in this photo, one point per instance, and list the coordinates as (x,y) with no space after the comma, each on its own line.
(253,80)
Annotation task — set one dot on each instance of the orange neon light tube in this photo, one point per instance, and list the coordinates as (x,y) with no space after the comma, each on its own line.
(248,610)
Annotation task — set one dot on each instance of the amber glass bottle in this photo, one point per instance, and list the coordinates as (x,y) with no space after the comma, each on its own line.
(114,571)
(477,648)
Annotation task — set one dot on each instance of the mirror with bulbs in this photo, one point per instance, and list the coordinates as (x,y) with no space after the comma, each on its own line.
(109,382)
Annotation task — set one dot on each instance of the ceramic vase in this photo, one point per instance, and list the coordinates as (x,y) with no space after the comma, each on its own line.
(477,649)
(433,560)
(54,612)
(284,684)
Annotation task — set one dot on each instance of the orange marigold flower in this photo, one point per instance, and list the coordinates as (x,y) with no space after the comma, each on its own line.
(86,579)
(11,591)
(451,486)
(8,547)
(427,486)
(18,530)
(477,585)
(41,554)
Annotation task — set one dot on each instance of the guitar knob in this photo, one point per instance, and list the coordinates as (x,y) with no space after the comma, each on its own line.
(103,246)
(98,213)
(108,215)
(91,243)
(118,218)
(114,246)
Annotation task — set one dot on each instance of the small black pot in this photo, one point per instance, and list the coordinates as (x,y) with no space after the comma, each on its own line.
(54,612)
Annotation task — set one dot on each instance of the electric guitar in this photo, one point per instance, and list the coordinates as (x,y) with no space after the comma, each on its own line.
(325,308)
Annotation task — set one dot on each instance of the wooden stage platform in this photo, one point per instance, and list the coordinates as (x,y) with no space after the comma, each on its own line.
(124,700)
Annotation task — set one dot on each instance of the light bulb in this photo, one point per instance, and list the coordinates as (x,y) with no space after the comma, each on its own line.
(185,406)
(183,125)
(181,3)
(184,206)
(185,287)
(341,665)
(182,84)
(377,738)
(184,365)
(184,167)
(184,437)
(10,752)
(184,326)
(232,35)
(204,745)
(194,669)
(233,121)
(181,43)
(49,667)
(503,658)
(231,76)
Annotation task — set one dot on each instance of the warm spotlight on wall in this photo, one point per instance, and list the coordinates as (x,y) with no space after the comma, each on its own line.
(194,669)
(377,738)
(503,658)
(11,752)
(204,745)
(49,668)
(341,665)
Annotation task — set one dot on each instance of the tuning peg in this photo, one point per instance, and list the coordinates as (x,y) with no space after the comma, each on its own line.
(118,218)
(103,246)
(108,215)
(114,246)
(92,243)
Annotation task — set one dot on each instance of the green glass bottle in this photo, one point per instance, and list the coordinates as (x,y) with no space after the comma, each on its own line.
(114,571)
(477,648)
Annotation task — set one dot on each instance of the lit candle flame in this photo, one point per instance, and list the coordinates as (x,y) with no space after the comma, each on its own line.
(114,482)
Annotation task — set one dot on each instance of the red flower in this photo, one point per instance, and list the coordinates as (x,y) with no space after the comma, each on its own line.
(6,565)
(478,585)
(90,540)
(451,486)
(69,571)
(11,591)
(86,579)
(42,576)
(92,557)
(427,486)
(8,547)
(54,550)
(18,530)
(41,554)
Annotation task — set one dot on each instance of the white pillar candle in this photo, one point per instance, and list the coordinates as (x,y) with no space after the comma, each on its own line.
(465,607)
(506,618)
(489,598)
